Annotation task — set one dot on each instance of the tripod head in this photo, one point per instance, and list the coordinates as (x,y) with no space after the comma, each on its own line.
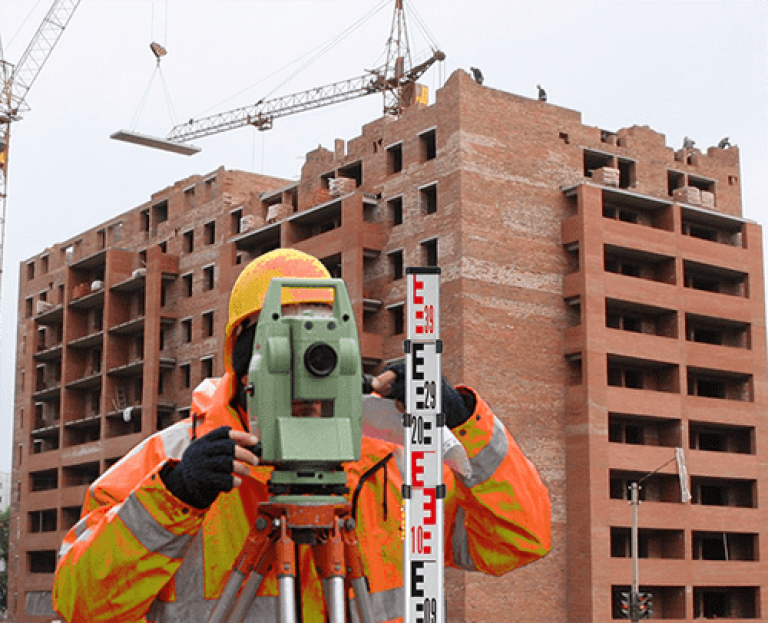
(308,358)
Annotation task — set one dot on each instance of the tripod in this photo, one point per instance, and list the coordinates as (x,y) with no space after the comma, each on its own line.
(329,528)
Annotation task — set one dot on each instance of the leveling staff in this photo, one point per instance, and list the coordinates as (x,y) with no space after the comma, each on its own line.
(161,530)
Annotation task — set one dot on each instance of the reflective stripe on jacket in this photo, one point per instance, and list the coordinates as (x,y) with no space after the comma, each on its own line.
(140,554)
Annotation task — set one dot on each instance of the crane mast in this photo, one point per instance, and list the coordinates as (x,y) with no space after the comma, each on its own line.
(16,83)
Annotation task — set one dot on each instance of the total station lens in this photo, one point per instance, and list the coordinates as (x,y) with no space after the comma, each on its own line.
(320,359)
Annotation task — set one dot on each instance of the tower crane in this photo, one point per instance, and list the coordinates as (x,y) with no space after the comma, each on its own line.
(395,80)
(15,83)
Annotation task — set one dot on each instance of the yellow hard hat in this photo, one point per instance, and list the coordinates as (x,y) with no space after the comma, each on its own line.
(250,289)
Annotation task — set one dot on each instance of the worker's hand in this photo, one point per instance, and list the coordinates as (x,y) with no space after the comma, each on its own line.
(391,384)
(210,465)
(457,407)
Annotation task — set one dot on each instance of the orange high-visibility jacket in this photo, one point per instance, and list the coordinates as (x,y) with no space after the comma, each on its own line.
(140,554)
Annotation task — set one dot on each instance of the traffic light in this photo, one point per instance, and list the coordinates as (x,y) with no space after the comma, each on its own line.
(644,605)
(625,605)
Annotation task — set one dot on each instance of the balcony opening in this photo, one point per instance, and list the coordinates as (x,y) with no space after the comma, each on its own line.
(575,371)
(206,367)
(730,492)
(42,562)
(709,278)
(396,264)
(701,183)
(395,209)
(644,430)
(639,264)
(394,159)
(718,331)
(333,264)
(186,375)
(70,515)
(724,546)
(42,521)
(160,213)
(574,312)
(712,227)
(627,173)
(710,437)
(209,278)
(209,233)
(731,602)
(668,602)
(594,160)
(144,217)
(643,374)
(235,222)
(45,480)
(720,385)
(428,145)
(621,214)
(353,171)
(208,324)
(186,330)
(186,285)
(657,488)
(429,252)
(428,197)
(78,475)
(652,543)
(397,319)
(675,180)
(638,318)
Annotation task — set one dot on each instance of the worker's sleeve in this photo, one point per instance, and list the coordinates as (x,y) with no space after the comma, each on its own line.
(498,518)
(130,540)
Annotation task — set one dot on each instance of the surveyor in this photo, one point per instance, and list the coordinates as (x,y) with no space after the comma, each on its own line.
(161,530)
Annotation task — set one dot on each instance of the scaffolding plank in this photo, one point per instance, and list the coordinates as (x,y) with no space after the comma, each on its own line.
(129,136)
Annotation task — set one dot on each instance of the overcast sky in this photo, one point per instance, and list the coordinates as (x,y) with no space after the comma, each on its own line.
(684,68)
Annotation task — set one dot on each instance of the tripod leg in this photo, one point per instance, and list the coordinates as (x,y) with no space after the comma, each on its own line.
(249,591)
(287,603)
(356,572)
(334,597)
(286,574)
(253,552)
(329,558)
(363,600)
(221,611)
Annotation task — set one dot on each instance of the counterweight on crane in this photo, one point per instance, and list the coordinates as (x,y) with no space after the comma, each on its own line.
(16,83)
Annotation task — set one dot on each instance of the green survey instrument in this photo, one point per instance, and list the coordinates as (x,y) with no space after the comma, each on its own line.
(313,357)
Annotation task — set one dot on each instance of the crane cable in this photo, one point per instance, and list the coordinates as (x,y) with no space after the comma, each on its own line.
(26,19)
(159,51)
(315,54)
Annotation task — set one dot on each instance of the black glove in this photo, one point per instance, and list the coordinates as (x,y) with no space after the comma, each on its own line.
(457,407)
(205,469)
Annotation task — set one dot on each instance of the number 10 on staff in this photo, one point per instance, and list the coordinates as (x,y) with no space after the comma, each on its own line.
(423,489)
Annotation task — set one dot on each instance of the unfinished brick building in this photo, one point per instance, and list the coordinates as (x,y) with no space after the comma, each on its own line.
(601,290)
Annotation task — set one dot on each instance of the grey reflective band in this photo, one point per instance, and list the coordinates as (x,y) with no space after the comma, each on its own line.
(264,608)
(176,439)
(386,605)
(190,576)
(82,532)
(462,557)
(147,530)
(486,462)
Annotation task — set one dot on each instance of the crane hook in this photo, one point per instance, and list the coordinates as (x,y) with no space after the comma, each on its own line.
(158,50)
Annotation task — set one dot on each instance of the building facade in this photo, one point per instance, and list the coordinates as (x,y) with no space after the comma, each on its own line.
(602,291)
